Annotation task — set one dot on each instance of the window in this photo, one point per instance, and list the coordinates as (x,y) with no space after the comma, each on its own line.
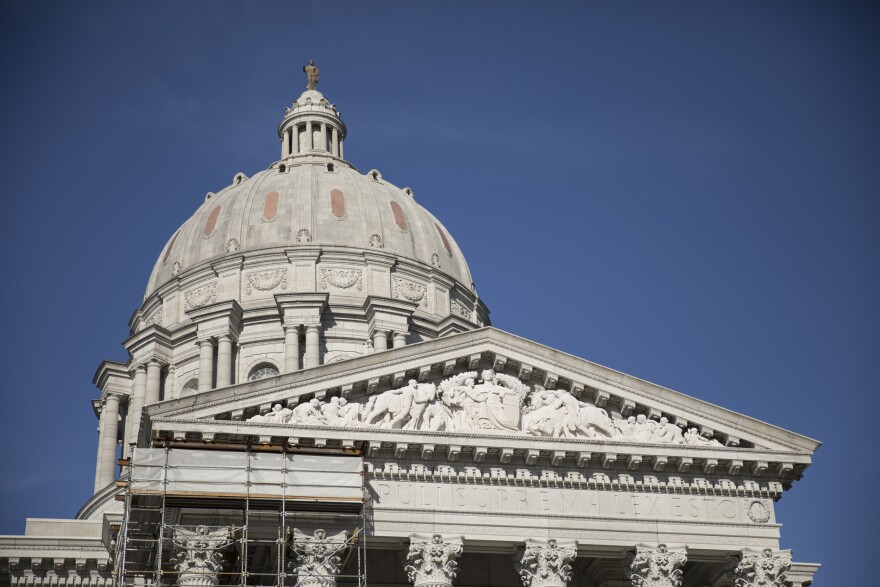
(262,371)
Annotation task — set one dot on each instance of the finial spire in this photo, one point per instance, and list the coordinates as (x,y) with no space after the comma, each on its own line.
(311,75)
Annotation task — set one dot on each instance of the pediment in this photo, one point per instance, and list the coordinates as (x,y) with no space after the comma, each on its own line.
(485,388)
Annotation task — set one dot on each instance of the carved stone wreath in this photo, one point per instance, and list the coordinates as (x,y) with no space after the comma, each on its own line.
(201,296)
(758,512)
(408,290)
(266,280)
(342,278)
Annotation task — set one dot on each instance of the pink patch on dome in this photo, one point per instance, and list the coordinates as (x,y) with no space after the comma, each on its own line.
(270,206)
(443,238)
(211,224)
(337,203)
(399,216)
(170,246)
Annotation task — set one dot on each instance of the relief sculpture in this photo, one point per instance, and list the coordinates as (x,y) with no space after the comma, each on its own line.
(485,402)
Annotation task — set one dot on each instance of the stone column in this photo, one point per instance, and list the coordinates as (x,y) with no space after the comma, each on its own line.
(224,360)
(432,561)
(136,405)
(380,341)
(313,340)
(545,563)
(334,145)
(323,136)
(318,557)
(291,349)
(198,555)
(206,364)
(294,141)
(765,568)
(657,567)
(154,382)
(341,151)
(286,142)
(310,137)
(399,340)
(107,442)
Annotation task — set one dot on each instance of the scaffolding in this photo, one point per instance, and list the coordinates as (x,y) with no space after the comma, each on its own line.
(240,517)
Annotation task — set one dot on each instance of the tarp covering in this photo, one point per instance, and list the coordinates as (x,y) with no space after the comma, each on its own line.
(258,475)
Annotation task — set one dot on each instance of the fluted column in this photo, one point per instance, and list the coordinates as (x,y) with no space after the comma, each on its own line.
(313,341)
(224,360)
(657,567)
(546,563)
(291,349)
(318,557)
(432,560)
(399,340)
(310,138)
(135,406)
(334,142)
(154,382)
(380,341)
(206,364)
(107,441)
(764,568)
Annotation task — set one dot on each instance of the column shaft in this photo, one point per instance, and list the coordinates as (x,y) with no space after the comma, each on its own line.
(399,340)
(135,406)
(380,340)
(341,150)
(108,441)
(323,136)
(154,383)
(291,349)
(224,361)
(313,340)
(334,146)
(206,365)
(310,137)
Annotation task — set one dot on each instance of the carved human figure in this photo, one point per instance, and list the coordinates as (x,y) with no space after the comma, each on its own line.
(766,568)
(546,563)
(198,554)
(450,412)
(338,412)
(666,431)
(278,415)
(312,73)
(627,428)
(308,413)
(644,428)
(557,413)
(318,557)
(499,401)
(398,407)
(657,567)
(432,560)
(693,437)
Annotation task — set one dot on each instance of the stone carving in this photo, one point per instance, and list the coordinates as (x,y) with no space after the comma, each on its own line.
(692,436)
(318,559)
(485,402)
(266,280)
(408,290)
(232,245)
(341,278)
(175,269)
(432,560)
(156,318)
(376,241)
(660,567)
(312,73)
(435,260)
(201,296)
(546,563)
(762,569)
(303,236)
(198,554)
(456,309)
(758,512)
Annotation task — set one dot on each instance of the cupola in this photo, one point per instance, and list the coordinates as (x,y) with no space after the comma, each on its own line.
(312,124)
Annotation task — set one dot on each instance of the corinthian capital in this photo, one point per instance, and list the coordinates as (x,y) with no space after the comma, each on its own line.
(545,563)
(318,559)
(657,567)
(432,560)
(764,568)
(198,555)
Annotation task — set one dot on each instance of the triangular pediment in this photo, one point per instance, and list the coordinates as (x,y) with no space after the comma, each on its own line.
(566,405)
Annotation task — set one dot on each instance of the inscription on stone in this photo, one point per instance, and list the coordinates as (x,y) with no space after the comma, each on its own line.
(560,502)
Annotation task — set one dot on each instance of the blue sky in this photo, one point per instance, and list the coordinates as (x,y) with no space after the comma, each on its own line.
(686,192)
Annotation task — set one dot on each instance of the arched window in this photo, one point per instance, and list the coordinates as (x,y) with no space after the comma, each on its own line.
(262,371)
(190,387)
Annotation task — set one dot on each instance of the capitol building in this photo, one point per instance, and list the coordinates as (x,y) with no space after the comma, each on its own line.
(315,396)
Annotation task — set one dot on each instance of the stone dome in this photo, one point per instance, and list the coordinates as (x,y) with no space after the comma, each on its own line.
(317,202)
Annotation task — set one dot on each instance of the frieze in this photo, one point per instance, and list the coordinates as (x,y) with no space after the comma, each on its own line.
(341,278)
(200,297)
(266,280)
(456,309)
(409,290)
